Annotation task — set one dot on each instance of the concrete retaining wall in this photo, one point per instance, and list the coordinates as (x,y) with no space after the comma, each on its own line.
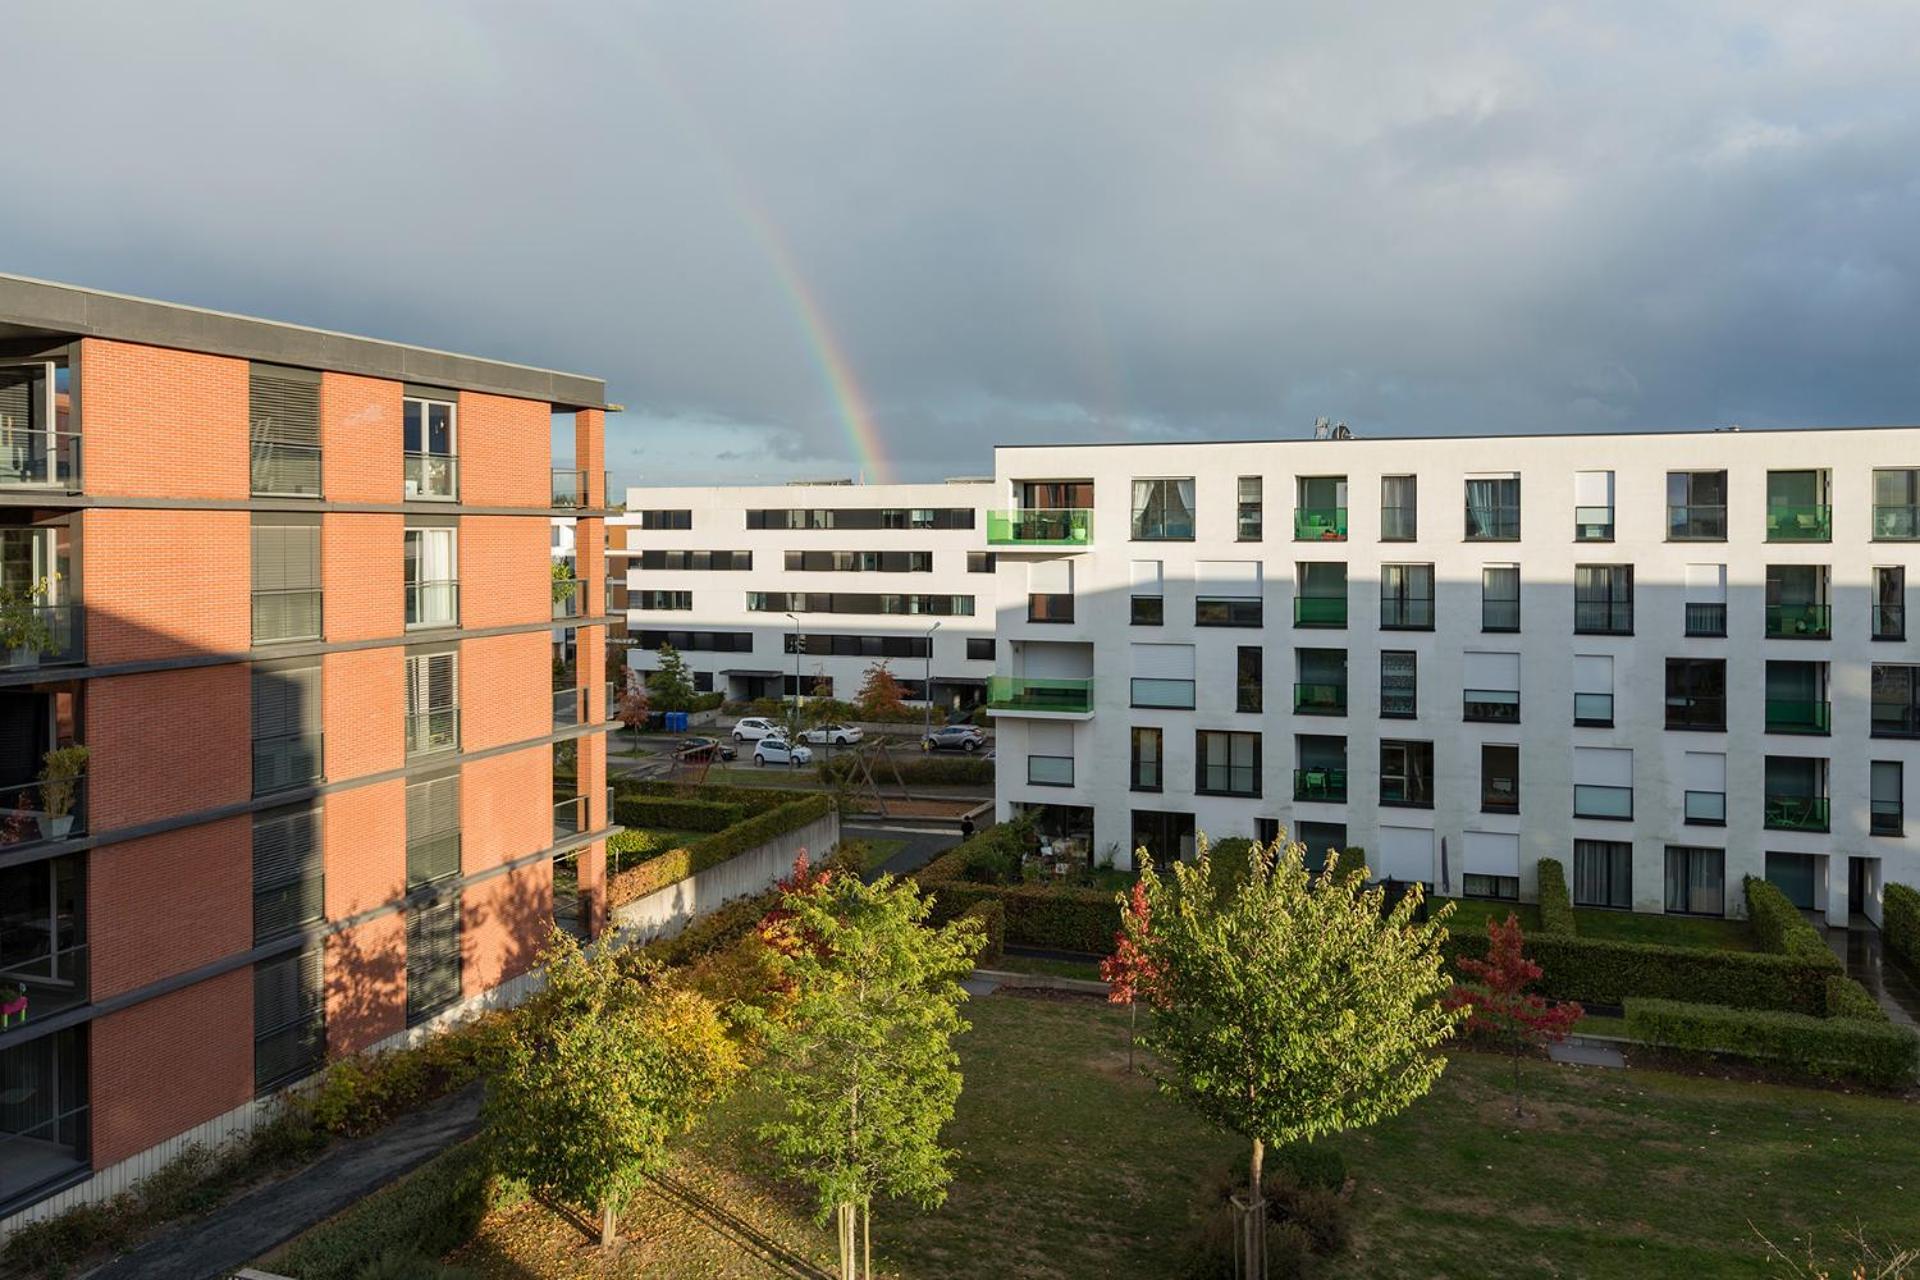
(665,912)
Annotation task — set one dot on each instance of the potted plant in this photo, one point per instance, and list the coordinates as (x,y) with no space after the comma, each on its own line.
(59,784)
(13,1003)
(23,626)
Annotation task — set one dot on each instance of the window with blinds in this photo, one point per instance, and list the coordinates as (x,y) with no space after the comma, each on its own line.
(286,726)
(286,579)
(288,877)
(289,1018)
(433,958)
(433,830)
(283,413)
(433,702)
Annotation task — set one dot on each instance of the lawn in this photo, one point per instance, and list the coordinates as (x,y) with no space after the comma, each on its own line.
(1667,931)
(1013,962)
(1470,915)
(1070,1167)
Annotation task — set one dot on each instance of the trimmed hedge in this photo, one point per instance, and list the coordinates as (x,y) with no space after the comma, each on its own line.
(676,813)
(1848,999)
(1875,1053)
(1055,917)
(1352,858)
(677,864)
(754,800)
(1597,971)
(1779,927)
(992,916)
(431,1211)
(931,771)
(1556,907)
(1900,922)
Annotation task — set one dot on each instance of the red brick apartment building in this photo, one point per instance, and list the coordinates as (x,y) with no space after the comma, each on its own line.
(343,726)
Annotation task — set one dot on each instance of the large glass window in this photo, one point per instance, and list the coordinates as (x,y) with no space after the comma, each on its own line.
(432,577)
(1603,599)
(1321,600)
(1399,684)
(1493,509)
(1399,508)
(433,702)
(1249,680)
(433,958)
(1697,693)
(1890,602)
(1251,513)
(1406,597)
(289,1018)
(287,740)
(1889,798)
(1226,764)
(283,412)
(288,871)
(1499,778)
(1696,881)
(286,578)
(1500,597)
(427,439)
(1406,774)
(1147,755)
(1696,506)
(1895,691)
(433,830)
(1163,510)
(1603,874)
(1896,504)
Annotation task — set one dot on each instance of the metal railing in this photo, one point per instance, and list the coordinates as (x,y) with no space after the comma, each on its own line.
(1706,619)
(39,459)
(1406,613)
(1040,527)
(569,817)
(66,642)
(1696,711)
(1603,617)
(1320,611)
(1311,699)
(1499,615)
(1320,524)
(1593,524)
(568,706)
(1320,782)
(568,597)
(286,470)
(1799,715)
(286,761)
(54,979)
(1793,522)
(433,603)
(1697,522)
(1499,706)
(1050,771)
(1593,708)
(1015,693)
(1799,621)
(1705,808)
(1593,801)
(1797,813)
(26,817)
(433,730)
(288,613)
(1170,695)
(570,488)
(1896,523)
(431,476)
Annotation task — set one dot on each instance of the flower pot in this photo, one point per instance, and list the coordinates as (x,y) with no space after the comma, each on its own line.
(27,657)
(13,1011)
(52,828)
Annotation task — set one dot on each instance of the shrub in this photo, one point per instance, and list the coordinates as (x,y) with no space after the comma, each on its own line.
(1312,1166)
(1900,922)
(1780,928)
(1303,1220)
(676,813)
(992,915)
(675,865)
(431,1211)
(754,800)
(1848,999)
(929,771)
(361,1093)
(1352,858)
(1600,971)
(1874,1053)
(1056,917)
(1556,908)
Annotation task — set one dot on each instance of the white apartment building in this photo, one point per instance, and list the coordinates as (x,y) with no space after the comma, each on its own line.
(1668,660)
(763,587)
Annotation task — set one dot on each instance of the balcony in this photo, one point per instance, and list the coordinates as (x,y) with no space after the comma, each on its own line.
(1797,813)
(569,597)
(286,761)
(1603,617)
(31,812)
(1319,611)
(432,731)
(47,460)
(1593,524)
(1891,719)
(1897,523)
(1696,711)
(48,634)
(568,706)
(1593,709)
(1320,524)
(433,603)
(1799,715)
(1593,801)
(431,477)
(1170,695)
(570,490)
(1039,696)
(1491,706)
(569,817)
(1050,771)
(1050,607)
(1320,782)
(283,470)
(1788,522)
(1320,699)
(1070,527)
(1406,613)
(1700,522)
(1706,619)
(1705,808)
(1799,622)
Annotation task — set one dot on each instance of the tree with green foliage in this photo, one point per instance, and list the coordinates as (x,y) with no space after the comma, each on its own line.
(600,1070)
(1287,1005)
(862,1061)
(880,697)
(671,684)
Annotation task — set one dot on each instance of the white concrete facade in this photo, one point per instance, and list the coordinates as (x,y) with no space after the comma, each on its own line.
(913,572)
(1543,664)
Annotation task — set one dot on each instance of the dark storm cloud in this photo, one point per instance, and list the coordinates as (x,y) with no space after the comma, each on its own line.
(1022,222)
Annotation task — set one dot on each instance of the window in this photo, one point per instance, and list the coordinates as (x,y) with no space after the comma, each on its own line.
(1889,798)
(1399,684)
(1603,599)
(1406,774)
(860,518)
(1492,691)
(1896,504)
(1797,603)
(283,414)
(1050,607)
(1399,508)
(1321,840)
(1890,603)
(1796,698)
(660,601)
(1321,768)
(1696,506)
(1321,689)
(1147,759)
(1228,611)
(1248,679)
(1162,675)
(1149,611)
(1163,510)
(1603,874)
(1500,597)
(1697,693)
(1500,888)
(433,702)
(1696,881)
(427,436)
(660,561)
(817,685)
(1704,800)
(696,641)
(1593,689)
(433,958)
(1164,837)
(1896,701)
(859,561)
(289,1018)
(982,561)
(1406,597)
(1493,509)
(858,602)
(1049,770)
(1593,506)
(286,725)
(1321,600)
(1320,509)
(1251,509)
(1149,606)
(1706,602)
(664,519)
(287,871)
(433,830)
(1226,764)
(1798,507)
(835,645)
(1796,794)
(1499,778)
(431,576)
(1603,783)
(286,578)
(980,647)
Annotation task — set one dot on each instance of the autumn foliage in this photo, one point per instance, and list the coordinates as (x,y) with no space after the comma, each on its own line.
(1497,1001)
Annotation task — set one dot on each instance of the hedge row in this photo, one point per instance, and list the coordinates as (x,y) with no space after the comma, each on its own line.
(1900,922)
(676,813)
(992,915)
(1779,927)
(677,864)
(934,771)
(1055,917)
(1599,971)
(1848,999)
(1875,1053)
(1556,907)
(752,799)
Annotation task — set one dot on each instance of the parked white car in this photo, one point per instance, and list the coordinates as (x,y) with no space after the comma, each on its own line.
(839,735)
(753,728)
(774,749)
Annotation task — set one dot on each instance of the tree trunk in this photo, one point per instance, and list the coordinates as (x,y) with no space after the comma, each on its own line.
(866,1237)
(1132,1021)
(1255,1225)
(849,1259)
(608,1223)
(1516,1078)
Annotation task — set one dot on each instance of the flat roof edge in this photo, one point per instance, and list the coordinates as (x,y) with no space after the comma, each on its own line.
(1604,434)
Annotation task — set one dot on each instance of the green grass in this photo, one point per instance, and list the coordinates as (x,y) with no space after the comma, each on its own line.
(1668,931)
(1085,969)
(1067,1166)
(1593,1024)
(878,851)
(1470,915)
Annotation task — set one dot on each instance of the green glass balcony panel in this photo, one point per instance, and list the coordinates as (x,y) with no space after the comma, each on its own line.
(1014,693)
(1040,527)
(1319,611)
(1320,699)
(1320,524)
(1799,621)
(1320,783)
(1790,522)
(1797,813)
(1698,522)
(1798,715)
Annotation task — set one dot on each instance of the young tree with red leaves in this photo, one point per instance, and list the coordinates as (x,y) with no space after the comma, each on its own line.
(881,697)
(1129,972)
(1498,1003)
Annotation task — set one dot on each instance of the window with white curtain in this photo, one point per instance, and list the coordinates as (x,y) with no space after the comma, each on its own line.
(1696,881)
(1603,874)
(432,578)
(1163,510)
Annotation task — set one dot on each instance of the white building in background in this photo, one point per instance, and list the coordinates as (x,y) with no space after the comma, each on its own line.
(761,585)
(1669,661)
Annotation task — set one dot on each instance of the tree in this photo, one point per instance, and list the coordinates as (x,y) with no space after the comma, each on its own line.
(1498,1004)
(600,1070)
(1128,972)
(635,707)
(671,685)
(880,696)
(1287,1006)
(863,1062)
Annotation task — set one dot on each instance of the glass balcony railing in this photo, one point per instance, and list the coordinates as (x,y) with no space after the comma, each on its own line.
(569,816)
(1799,621)
(1894,719)
(1494,706)
(1320,782)
(1319,611)
(433,730)
(1799,715)
(1699,522)
(1015,693)
(1705,808)
(1406,613)
(1320,524)
(433,603)
(52,977)
(1789,522)
(55,636)
(286,470)
(1320,699)
(570,488)
(291,613)
(1603,617)
(1696,711)
(36,811)
(1706,619)
(31,459)
(610,702)
(1592,801)
(1050,771)
(1170,695)
(1593,708)
(431,476)
(1897,523)
(1040,527)
(1593,524)
(1797,813)
(568,705)
(285,761)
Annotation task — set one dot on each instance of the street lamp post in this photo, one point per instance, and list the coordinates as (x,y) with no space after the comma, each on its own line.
(927,689)
(793,729)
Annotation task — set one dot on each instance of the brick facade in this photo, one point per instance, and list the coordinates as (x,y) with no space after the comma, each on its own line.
(361,575)
(166,584)
(506,452)
(511,554)
(366,983)
(149,736)
(365,844)
(503,923)
(515,673)
(165,1065)
(506,809)
(203,874)
(163,424)
(360,438)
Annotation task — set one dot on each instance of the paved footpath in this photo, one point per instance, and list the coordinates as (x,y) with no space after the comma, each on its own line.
(268,1216)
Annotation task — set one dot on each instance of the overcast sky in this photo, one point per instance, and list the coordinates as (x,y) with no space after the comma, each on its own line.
(1016,222)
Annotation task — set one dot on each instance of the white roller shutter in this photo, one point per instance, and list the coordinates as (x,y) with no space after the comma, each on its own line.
(1491,853)
(1707,583)
(1050,577)
(1239,578)
(1147,578)
(1593,673)
(1163,661)
(1406,853)
(1049,738)
(1492,671)
(1705,771)
(1602,767)
(1593,488)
